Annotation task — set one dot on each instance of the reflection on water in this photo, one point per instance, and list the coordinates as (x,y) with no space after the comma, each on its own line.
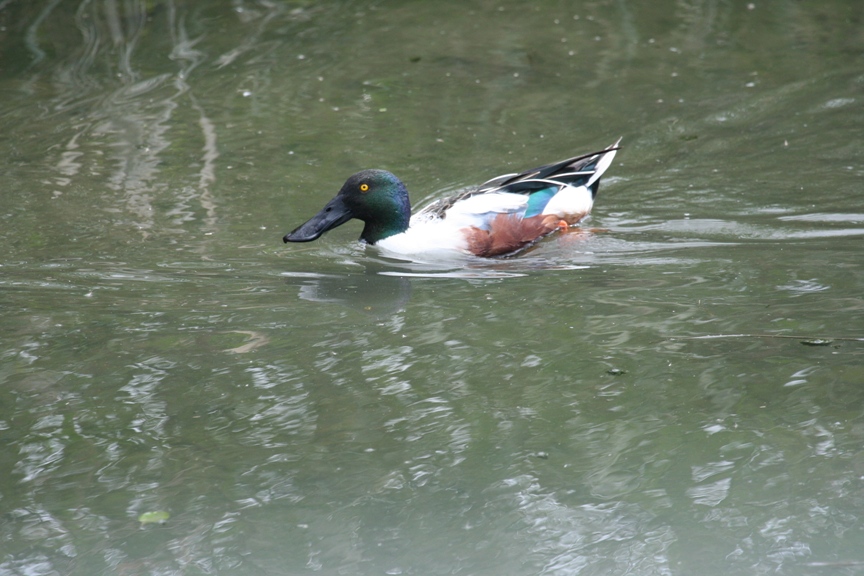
(635,399)
(369,292)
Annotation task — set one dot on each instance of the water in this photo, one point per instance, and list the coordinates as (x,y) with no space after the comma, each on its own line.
(676,392)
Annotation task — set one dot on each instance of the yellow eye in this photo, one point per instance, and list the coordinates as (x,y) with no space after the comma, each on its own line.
(364,187)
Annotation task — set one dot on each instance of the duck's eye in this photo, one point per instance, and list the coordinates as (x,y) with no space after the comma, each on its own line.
(364,187)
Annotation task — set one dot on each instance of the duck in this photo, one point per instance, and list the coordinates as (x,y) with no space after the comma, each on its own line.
(500,217)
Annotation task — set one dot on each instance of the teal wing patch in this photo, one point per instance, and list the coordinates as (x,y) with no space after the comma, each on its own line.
(537,201)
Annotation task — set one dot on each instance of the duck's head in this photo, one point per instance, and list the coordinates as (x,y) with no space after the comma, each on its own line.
(376,197)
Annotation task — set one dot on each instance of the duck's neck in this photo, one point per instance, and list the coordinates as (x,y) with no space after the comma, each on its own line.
(383,225)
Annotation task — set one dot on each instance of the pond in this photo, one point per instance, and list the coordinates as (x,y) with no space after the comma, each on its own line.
(676,389)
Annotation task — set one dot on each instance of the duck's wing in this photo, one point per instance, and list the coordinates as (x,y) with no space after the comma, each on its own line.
(583,170)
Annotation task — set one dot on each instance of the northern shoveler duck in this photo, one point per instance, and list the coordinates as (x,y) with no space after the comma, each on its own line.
(500,217)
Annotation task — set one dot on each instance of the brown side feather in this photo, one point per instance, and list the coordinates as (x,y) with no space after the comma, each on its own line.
(508,233)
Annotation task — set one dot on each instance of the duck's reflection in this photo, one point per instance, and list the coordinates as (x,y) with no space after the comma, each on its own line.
(368,291)
(383,286)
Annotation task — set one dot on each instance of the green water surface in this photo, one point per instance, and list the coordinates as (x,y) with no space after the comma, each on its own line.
(679,391)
